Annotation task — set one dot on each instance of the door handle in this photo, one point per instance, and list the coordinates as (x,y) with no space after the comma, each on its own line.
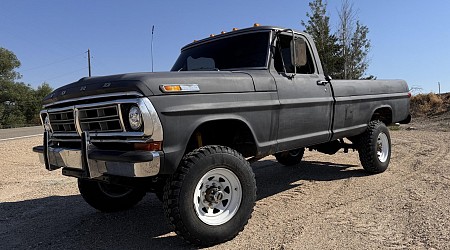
(320,82)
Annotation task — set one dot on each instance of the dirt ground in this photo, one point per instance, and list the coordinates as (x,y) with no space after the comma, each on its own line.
(326,202)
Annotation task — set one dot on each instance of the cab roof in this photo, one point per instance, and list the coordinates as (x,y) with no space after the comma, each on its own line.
(233,33)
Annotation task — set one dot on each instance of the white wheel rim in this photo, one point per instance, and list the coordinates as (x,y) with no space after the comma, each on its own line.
(217,196)
(382,147)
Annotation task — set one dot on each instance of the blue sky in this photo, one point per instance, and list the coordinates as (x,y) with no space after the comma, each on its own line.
(410,39)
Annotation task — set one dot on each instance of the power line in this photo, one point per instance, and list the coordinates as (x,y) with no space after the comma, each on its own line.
(68,73)
(52,63)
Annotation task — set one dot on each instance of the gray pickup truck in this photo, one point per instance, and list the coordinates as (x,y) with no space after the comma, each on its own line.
(189,135)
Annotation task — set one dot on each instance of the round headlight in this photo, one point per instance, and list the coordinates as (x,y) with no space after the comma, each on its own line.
(135,118)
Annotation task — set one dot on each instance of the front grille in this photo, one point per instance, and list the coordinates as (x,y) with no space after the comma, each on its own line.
(91,119)
(62,121)
(100,119)
(106,121)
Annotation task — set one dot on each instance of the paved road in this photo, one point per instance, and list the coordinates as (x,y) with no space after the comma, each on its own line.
(20,132)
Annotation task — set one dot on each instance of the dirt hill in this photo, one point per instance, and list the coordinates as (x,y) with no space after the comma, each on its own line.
(431,111)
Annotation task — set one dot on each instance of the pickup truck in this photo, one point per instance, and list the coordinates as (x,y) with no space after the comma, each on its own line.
(189,135)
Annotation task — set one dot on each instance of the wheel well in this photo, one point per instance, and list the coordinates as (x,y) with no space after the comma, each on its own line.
(383,114)
(231,133)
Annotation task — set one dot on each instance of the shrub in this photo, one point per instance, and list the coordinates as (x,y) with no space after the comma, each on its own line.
(427,105)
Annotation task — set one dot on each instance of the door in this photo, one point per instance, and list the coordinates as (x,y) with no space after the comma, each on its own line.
(306,99)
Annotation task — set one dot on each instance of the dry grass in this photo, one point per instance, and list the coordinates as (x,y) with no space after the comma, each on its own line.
(426,105)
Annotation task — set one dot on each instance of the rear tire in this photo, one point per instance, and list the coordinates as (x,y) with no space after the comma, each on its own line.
(109,197)
(375,147)
(291,157)
(160,195)
(210,198)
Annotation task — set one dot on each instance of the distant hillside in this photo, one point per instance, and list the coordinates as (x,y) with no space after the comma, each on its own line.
(429,105)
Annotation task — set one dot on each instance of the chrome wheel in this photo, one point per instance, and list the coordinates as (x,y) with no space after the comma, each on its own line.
(217,196)
(382,147)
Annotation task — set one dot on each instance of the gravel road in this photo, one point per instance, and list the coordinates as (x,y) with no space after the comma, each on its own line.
(326,202)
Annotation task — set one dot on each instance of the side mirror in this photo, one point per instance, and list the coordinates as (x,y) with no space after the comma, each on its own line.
(298,52)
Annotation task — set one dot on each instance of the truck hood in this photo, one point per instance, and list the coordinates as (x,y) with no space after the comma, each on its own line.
(149,84)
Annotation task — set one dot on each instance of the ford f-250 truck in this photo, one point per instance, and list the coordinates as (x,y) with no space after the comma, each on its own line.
(189,135)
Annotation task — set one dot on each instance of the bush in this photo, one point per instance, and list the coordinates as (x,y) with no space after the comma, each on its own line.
(427,105)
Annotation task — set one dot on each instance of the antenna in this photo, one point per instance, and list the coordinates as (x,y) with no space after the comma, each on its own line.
(153,29)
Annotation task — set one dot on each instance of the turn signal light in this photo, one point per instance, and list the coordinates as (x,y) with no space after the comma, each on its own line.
(171,88)
(151,146)
(179,88)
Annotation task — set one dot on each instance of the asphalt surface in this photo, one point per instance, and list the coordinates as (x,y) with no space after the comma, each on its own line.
(20,132)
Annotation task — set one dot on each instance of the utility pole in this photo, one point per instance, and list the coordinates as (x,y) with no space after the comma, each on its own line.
(151,48)
(439,86)
(89,61)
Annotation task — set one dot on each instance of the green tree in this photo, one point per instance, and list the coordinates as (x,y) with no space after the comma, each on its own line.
(42,91)
(344,53)
(19,102)
(13,117)
(318,26)
(353,42)
(360,48)
(8,64)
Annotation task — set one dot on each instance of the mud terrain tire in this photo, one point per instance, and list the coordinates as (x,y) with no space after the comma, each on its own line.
(374,147)
(210,198)
(109,197)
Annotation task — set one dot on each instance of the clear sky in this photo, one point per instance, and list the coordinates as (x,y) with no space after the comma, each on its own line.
(410,39)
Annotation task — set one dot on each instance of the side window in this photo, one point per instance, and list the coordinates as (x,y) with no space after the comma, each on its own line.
(283,61)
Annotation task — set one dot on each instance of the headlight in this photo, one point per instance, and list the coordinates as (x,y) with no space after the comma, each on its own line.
(135,118)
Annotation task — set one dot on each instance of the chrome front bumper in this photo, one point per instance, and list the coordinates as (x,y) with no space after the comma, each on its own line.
(93,163)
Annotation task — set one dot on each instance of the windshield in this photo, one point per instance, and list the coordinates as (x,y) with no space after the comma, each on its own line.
(242,51)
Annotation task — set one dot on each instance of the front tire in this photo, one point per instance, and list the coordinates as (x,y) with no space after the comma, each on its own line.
(210,198)
(375,147)
(109,197)
(291,157)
